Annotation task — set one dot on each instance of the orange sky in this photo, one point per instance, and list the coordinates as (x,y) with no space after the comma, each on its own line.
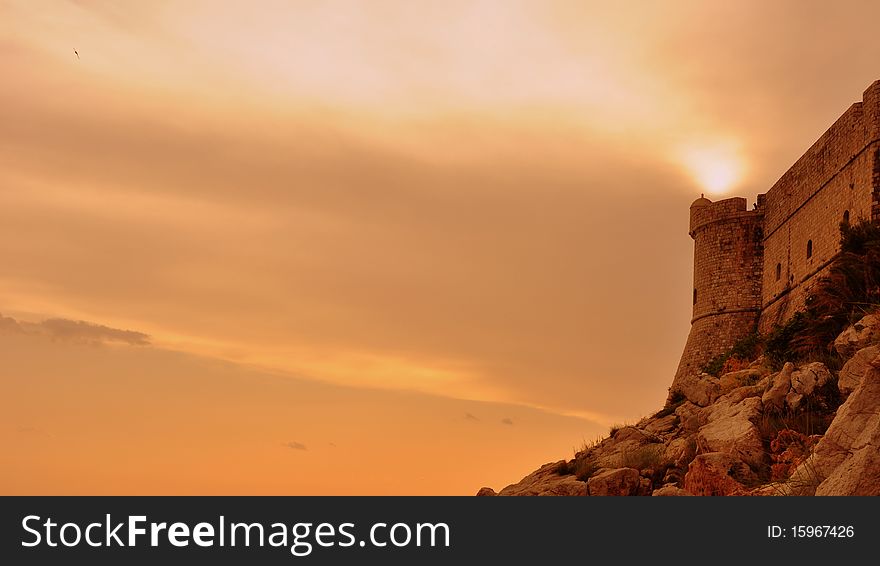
(384,247)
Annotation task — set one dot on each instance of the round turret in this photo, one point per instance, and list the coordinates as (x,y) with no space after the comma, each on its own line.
(702,201)
(728,264)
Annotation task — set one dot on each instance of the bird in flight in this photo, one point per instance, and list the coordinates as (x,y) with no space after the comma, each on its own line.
(75,53)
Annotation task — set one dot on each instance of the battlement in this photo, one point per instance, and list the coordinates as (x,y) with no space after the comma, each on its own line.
(704,212)
(756,267)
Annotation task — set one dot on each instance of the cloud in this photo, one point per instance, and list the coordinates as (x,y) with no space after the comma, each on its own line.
(450,237)
(9,324)
(80,331)
(294,445)
(74,331)
(471,417)
(506,421)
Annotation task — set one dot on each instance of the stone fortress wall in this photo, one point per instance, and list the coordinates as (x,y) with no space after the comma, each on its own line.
(754,268)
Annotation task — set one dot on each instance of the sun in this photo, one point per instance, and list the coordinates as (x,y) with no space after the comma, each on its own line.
(716,167)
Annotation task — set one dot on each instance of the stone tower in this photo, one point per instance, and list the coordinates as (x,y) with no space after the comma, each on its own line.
(728,267)
(757,267)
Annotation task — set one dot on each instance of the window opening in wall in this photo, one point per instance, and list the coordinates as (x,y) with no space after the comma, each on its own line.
(695,296)
(809,249)
(778,271)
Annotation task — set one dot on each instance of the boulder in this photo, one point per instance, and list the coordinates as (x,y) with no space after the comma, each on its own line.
(629,445)
(690,416)
(846,460)
(854,369)
(737,379)
(741,393)
(631,433)
(662,425)
(717,473)
(731,429)
(486,491)
(780,385)
(700,389)
(680,451)
(618,481)
(671,491)
(862,334)
(547,480)
(808,378)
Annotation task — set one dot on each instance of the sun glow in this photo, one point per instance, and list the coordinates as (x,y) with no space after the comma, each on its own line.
(716,168)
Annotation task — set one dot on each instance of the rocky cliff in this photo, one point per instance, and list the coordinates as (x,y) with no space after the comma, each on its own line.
(803,429)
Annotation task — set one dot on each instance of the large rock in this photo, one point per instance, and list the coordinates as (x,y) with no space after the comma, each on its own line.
(846,461)
(631,433)
(808,378)
(731,429)
(862,334)
(718,473)
(741,378)
(700,389)
(690,416)
(619,481)
(853,370)
(780,385)
(662,425)
(745,392)
(762,364)
(629,446)
(547,480)
(486,492)
(680,451)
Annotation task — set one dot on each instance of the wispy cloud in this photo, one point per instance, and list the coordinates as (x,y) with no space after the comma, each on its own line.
(82,331)
(294,445)
(9,324)
(507,421)
(471,417)
(75,331)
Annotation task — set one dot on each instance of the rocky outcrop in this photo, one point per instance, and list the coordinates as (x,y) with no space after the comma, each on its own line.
(547,480)
(731,430)
(661,425)
(853,370)
(807,378)
(700,389)
(846,461)
(620,481)
(805,381)
(862,334)
(749,432)
(742,378)
(741,393)
(717,473)
(780,385)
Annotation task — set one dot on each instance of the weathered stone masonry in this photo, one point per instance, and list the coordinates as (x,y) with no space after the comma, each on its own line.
(754,268)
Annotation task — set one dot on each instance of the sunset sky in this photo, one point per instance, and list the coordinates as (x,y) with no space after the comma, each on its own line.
(320,247)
